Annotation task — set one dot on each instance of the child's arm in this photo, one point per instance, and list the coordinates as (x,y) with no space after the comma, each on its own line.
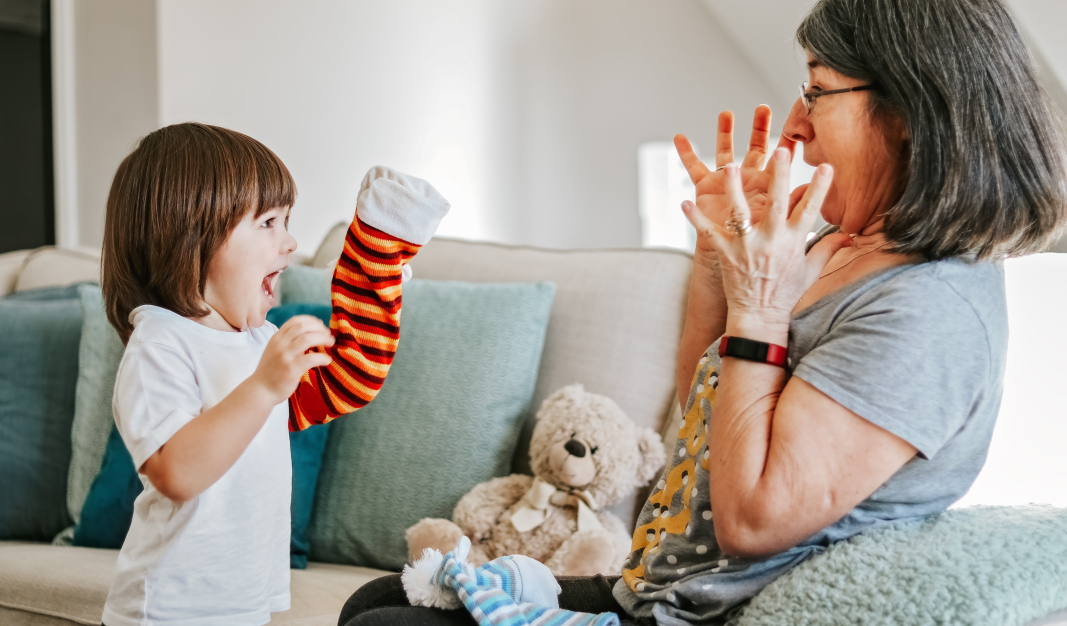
(207,446)
(395,215)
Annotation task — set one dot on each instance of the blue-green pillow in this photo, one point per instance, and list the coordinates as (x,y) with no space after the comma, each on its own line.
(306,447)
(99,354)
(39,332)
(108,509)
(446,419)
(304,285)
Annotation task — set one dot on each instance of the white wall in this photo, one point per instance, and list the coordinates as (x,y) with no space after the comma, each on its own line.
(105,99)
(526,114)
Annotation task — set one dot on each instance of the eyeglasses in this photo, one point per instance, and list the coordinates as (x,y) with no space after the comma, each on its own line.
(809,96)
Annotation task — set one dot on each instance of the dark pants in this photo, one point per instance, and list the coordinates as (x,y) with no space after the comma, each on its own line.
(382,602)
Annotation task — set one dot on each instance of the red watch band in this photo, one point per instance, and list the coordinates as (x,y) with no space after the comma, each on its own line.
(751,350)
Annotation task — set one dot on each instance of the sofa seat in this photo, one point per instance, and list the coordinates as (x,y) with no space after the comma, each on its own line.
(61,585)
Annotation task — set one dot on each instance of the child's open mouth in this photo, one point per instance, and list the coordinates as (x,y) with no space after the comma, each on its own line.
(270,282)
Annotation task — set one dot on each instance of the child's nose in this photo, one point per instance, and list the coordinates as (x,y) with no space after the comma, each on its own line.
(290,244)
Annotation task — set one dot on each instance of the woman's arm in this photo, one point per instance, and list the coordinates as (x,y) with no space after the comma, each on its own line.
(785,460)
(705,316)
(705,320)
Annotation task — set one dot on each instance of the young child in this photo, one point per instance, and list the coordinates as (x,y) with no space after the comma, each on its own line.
(195,239)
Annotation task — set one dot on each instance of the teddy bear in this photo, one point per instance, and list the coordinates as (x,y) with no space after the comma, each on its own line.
(586,454)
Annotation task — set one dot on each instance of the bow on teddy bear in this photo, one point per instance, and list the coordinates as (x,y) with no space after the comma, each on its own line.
(586,454)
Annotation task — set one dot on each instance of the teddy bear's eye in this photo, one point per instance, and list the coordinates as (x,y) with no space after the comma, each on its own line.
(573,435)
(593,449)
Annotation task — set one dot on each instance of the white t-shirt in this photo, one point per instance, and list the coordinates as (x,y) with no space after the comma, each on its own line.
(222,557)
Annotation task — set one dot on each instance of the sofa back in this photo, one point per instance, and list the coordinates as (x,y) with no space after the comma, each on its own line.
(614,325)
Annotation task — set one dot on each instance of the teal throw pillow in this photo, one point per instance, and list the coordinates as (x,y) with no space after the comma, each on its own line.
(108,508)
(39,332)
(99,354)
(304,285)
(446,419)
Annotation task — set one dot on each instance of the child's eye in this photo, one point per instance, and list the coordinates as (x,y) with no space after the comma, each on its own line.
(269,223)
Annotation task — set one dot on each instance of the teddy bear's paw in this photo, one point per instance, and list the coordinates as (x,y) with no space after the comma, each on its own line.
(586,553)
(429,533)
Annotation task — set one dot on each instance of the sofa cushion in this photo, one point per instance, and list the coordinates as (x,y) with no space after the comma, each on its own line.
(64,585)
(99,353)
(446,419)
(44,585)
(39,334)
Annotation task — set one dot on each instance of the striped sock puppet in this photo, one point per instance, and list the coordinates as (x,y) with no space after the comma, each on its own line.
(395,215)
(509,591)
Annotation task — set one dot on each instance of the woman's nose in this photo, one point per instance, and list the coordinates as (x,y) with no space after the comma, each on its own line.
(798,124)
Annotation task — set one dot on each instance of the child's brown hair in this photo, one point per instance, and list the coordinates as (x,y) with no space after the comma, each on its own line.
(174,201)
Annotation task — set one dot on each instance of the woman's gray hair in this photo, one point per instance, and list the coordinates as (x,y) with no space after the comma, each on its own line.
(987,160)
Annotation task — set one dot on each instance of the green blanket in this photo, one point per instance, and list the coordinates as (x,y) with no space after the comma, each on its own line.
(982,565)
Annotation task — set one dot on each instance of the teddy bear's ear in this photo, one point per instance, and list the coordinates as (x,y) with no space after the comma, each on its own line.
(652,455)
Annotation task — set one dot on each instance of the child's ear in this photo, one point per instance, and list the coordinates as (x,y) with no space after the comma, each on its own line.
(652,454)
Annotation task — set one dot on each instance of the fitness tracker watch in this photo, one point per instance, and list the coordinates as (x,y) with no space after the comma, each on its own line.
(751,350)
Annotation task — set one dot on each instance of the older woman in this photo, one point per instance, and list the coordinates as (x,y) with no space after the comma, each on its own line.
(855,381)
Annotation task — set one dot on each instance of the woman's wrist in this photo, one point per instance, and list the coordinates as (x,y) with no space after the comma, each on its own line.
(758,325)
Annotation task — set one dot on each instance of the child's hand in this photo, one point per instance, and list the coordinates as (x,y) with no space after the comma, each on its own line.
(284,361)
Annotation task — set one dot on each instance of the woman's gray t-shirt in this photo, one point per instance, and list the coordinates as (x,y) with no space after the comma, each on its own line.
(918,350)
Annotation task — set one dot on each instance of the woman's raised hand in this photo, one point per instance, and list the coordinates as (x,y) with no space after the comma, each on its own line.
(765,270)
(755,171)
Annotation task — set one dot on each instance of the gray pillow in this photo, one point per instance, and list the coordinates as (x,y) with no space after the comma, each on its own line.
(39,333)
(99,353)
(446,419)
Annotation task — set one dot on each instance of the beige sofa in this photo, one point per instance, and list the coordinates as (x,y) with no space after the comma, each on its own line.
(614,327)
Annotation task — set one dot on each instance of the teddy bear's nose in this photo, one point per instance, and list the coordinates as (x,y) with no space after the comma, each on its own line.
(575,448)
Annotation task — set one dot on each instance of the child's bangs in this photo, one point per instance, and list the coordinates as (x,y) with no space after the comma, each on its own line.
(274,184)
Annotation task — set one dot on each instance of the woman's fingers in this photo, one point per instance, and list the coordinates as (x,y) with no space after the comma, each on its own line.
(788,144)
(796,196)
(705,227)
(779,189)
(735,194)
(696,168)
(724,141)
(756,157)
(803,216)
